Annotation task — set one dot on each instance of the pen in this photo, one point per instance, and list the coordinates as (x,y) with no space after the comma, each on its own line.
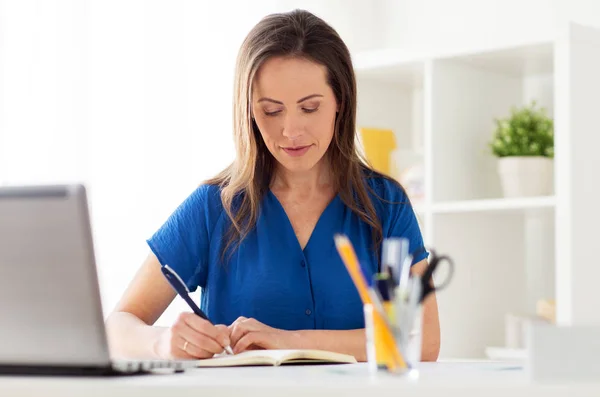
(382,282)
(394,252)
(404,277)
(411,309)
(182,290)
(384,286)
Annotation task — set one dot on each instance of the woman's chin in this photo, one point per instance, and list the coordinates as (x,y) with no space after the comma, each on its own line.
(297,166)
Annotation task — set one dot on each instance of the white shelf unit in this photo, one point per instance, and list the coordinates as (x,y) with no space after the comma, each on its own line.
(508,252)
(498,204)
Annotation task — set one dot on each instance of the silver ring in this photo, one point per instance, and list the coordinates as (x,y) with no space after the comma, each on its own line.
(185,346)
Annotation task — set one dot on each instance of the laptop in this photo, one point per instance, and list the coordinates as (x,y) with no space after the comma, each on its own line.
(50,306)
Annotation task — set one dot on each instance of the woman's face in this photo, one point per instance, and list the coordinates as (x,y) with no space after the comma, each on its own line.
(295,111)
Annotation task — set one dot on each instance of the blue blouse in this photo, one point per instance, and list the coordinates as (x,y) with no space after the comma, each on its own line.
(269,277)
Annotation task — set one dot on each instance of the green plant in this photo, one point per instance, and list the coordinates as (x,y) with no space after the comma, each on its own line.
(527,132)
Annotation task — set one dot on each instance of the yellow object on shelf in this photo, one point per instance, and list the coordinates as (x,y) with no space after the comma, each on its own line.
(378,145)
(546,309)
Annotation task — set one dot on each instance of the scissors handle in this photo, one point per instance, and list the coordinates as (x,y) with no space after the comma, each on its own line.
(427,281)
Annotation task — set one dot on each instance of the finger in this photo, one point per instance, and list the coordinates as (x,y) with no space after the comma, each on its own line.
(202,346)
(224,333)
(237,332)
(191,351)
(237,321)
(242,327)
(200,325)
(179,349)
(175,346)
(251,339)
(198,339)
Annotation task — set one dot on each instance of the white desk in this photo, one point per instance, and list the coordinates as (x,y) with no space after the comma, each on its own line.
(434,379)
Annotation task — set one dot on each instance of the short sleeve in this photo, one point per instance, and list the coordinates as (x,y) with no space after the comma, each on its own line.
(404,223)
(182,242)
(398,216)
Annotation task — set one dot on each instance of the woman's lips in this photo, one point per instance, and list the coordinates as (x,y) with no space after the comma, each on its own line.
(296,151)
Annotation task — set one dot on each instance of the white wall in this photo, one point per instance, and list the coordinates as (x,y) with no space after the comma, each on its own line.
(358,22)
(585,12)
(456,25)
(42,62)
(424,25)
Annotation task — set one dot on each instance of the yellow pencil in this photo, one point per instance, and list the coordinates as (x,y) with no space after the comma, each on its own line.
(346,251)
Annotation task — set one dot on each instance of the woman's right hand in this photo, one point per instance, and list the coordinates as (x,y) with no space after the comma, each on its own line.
(192,337)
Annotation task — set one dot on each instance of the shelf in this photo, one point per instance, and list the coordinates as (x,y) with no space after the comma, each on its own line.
(519,61)
(397,66)
(389,66)
(501,204)
(376,59)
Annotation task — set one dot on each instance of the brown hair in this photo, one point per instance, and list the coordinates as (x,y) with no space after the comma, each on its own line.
(243,184)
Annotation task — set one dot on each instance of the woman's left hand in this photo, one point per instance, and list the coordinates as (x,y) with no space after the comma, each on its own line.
(251,334)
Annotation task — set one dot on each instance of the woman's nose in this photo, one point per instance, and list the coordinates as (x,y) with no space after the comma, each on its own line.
(292,127)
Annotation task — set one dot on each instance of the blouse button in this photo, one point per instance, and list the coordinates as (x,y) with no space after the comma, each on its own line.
(303,263)
(308,312)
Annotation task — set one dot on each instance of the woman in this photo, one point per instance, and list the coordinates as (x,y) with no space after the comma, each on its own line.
(258,238)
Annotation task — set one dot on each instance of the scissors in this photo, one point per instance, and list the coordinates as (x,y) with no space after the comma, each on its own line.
(427,286)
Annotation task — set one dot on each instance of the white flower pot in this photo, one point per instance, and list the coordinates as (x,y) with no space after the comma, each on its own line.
(526,176)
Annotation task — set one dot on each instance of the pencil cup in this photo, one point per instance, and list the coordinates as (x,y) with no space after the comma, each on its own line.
(388,348)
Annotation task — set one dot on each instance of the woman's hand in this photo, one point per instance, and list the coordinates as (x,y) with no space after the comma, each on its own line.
(250,334)
(192,337)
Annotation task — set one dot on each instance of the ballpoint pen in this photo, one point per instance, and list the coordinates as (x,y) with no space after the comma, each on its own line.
(393,253)
(411,309)
(404,287)
(404,276)
(384,286)
(182,290)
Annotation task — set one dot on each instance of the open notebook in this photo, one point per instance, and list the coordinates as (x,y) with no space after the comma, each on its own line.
(277,357)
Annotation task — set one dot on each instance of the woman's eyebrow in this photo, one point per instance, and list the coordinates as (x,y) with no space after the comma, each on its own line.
(265,99)
(270,100)
(309,97)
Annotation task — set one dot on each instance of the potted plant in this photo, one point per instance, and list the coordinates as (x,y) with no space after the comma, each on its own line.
(524,144)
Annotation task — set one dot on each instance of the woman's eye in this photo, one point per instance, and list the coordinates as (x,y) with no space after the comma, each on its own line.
(273,113)
(310,110)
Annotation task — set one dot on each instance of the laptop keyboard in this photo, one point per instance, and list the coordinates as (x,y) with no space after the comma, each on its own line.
(129,366)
